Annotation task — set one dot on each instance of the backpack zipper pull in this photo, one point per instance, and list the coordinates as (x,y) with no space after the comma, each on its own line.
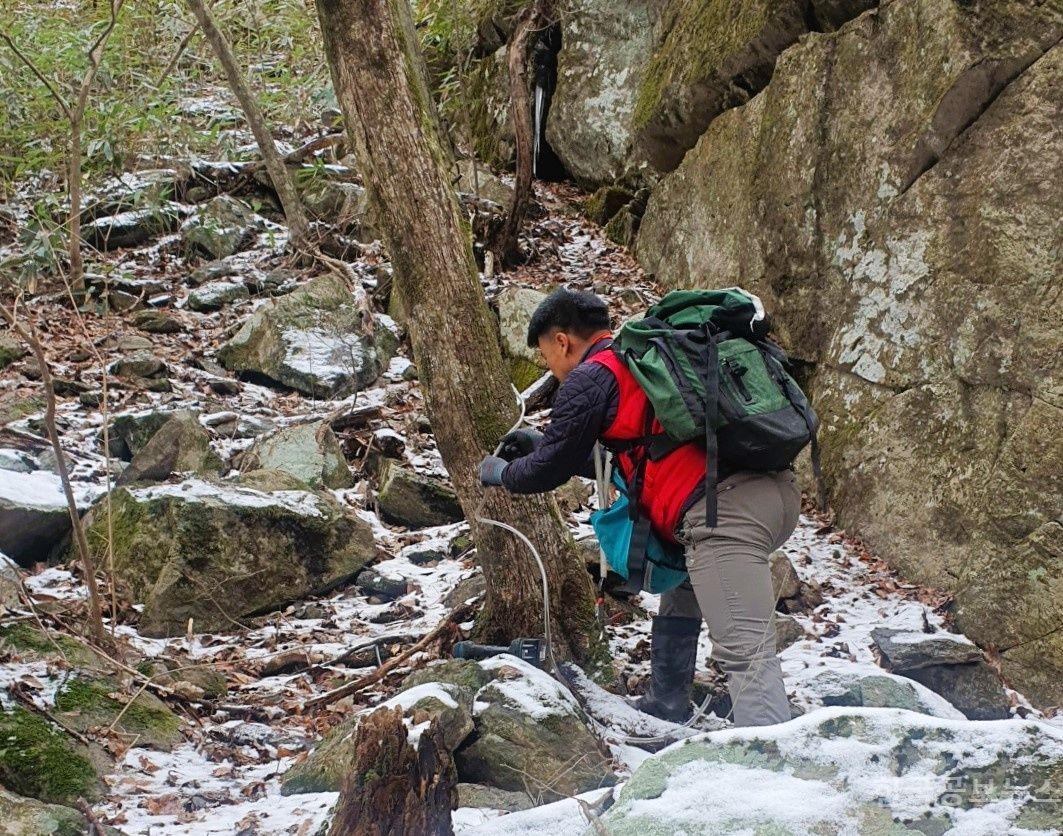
(736,371)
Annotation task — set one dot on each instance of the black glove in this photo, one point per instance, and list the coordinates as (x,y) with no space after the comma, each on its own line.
(491,471)
(519,443)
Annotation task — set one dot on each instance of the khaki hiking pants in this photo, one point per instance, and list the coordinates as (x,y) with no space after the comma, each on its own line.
(730,586)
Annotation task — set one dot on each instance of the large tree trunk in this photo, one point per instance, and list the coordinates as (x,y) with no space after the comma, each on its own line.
(393,788)
(380,83)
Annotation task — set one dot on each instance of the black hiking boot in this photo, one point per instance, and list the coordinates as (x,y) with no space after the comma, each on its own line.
(673,652)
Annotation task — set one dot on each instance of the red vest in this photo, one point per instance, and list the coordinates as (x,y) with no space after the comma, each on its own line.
(668,483)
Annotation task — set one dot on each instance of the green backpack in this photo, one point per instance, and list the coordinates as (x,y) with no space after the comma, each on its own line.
(704,360)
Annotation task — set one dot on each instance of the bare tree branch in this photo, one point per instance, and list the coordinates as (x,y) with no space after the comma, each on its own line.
(32,339)
(95,55)
(456,617)
(298,227)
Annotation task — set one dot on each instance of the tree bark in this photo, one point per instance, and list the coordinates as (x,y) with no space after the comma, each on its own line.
(393,789)
(298,228)
(531,21)
(380,82)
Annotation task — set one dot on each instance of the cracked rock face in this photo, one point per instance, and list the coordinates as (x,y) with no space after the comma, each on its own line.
(893,196)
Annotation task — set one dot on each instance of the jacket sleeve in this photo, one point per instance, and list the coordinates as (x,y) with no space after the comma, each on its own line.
(584,408)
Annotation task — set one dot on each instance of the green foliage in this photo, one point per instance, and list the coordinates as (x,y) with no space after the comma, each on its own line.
(140,109)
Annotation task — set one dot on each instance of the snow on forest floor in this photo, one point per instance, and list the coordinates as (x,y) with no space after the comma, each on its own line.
(226,777)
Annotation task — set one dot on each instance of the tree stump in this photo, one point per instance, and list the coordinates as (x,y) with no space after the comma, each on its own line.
(392,788)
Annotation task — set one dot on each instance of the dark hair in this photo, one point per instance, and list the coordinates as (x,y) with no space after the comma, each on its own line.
(573,311)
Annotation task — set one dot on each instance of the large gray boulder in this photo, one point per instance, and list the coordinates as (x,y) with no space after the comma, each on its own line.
(606,47)
(309,452)
(530,732)
(849,770)
(218,552)
(319,340)
(891,196)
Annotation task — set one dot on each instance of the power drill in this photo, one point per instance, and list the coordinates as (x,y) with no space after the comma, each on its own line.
(532,651)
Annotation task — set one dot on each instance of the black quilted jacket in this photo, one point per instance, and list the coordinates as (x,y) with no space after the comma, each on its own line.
(584,408)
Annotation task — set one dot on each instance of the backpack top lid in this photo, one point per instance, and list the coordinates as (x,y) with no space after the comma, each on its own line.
(729,309)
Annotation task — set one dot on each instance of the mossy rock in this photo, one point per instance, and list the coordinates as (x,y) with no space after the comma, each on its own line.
(30,641)
(20,816)
(552,749)
(462,673)
(131,431)
(215,295)
(865,793)
(217,552)
(523,373)
(714,55)
(212,682)
(623,227)
(42,762)
(180,445)
(329,762)
(221,227)
(476,108)
(606,202)
(15,407)
(83,704)
(11,349)
(326,766)
(410,499)
(268,480)
(481,795)
(310,452)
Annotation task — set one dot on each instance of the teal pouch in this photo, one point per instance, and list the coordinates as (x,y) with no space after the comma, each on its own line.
(657,567)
